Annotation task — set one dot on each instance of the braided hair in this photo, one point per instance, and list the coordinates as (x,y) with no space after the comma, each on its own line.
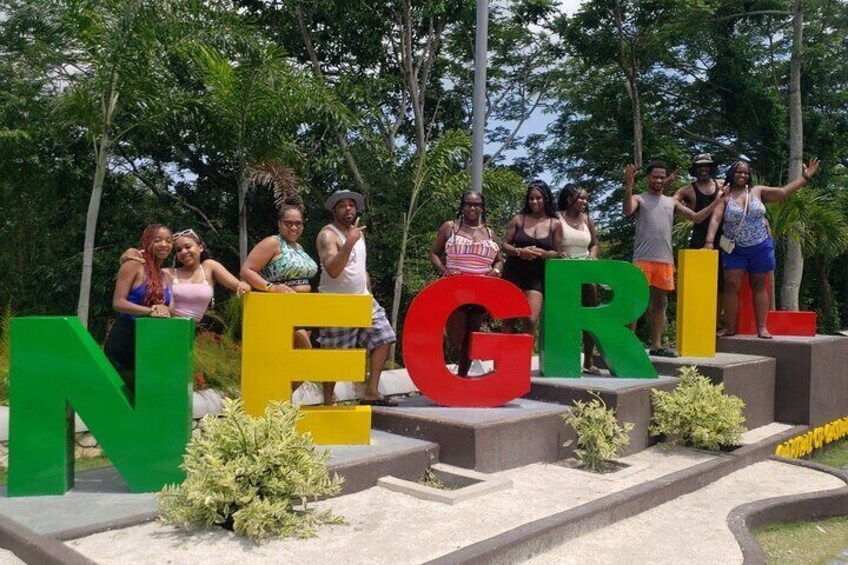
(462,199)
(154,290)
(547,198)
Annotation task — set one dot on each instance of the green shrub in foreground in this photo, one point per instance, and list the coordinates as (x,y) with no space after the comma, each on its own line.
(697,413)
(256,472)
(599,434)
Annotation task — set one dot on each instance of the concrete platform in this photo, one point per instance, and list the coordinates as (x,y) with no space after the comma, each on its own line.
(484,439)
(388,454)
(630,398)
(102,500)
(811,379)
(750,377)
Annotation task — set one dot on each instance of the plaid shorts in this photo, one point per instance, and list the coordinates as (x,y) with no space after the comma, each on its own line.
(380,333)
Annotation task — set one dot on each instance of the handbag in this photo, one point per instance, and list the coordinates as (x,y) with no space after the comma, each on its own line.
(725,243)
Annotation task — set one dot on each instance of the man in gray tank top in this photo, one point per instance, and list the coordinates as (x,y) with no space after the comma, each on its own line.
(341,248)
(652,250)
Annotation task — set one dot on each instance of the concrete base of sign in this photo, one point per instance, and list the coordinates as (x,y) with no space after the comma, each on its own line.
(101,499)
(388,454)
(484,439)
(811,380)
(631,399)
(461,484)
(750,377)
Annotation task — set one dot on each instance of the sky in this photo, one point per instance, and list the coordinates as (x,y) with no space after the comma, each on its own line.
(538,122)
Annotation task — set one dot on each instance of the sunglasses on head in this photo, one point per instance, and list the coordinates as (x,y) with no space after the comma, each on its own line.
(187,233)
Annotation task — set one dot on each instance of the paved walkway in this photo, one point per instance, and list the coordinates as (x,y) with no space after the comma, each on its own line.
(389,527)
(693,528)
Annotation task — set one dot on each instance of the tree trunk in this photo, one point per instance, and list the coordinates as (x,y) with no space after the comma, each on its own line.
(242,217)
(629,67)
(397,292)
(793,267)
(101,152)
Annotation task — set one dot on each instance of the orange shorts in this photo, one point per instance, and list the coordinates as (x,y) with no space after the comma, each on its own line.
(659,275)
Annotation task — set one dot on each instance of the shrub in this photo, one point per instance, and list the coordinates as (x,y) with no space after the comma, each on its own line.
(217,361)
(697,413)
(599,434)
(256,473)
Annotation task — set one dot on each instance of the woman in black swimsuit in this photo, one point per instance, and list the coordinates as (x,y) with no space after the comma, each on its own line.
(532,236)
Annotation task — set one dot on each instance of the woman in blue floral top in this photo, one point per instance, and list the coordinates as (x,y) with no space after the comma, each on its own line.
(745,225)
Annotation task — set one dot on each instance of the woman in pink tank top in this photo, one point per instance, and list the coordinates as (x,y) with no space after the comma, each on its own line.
(195,277)
(466,246)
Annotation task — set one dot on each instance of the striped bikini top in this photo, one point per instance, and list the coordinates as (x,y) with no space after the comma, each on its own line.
(470,257)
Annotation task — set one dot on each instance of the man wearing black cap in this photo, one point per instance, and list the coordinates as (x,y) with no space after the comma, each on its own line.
(341,248)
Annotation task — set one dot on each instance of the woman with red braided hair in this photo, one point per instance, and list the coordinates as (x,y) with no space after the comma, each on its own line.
(140,290)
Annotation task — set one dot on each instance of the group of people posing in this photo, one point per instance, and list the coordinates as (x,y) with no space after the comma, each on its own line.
(729,214)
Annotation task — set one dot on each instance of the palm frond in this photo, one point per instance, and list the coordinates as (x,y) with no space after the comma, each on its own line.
(279,178)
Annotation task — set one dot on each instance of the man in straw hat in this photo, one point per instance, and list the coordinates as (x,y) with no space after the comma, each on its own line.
(341,248)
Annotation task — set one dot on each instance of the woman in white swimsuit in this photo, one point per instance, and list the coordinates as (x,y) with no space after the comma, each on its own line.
(580,241)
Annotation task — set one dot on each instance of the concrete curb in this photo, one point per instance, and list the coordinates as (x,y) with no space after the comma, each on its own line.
(36,548)
(129,521)
(536,537)
(795,508)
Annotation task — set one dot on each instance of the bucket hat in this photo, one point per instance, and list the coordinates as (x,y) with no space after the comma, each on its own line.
(342,195)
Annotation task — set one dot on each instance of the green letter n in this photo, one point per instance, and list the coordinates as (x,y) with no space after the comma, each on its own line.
(566,318)
(57,368)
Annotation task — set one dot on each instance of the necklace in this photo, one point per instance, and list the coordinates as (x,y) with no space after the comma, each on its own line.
(574,222)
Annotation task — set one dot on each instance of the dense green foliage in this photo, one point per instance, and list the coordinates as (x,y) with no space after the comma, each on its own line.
(599,435)
(377,96)
(258,473)
(697,413)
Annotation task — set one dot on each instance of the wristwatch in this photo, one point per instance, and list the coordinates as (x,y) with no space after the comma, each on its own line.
(496,270)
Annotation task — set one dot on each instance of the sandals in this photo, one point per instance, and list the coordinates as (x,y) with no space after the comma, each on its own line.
(663,352)
(725,333)
(386,402)
(763,333)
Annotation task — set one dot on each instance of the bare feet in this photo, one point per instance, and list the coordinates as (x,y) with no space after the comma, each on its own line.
(591,370)
(763,333)
(724,332)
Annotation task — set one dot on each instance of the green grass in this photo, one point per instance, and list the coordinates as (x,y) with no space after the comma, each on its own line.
(83,464)
(804,543)
(834,456)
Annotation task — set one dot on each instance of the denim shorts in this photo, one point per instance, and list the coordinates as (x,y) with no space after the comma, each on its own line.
(756,259)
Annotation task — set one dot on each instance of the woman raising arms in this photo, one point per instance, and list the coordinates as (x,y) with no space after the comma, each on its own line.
(747,245)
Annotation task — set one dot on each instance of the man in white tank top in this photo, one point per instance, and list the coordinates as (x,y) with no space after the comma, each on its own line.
(341,249)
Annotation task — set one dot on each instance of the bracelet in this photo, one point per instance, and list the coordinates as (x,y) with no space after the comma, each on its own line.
(496,270)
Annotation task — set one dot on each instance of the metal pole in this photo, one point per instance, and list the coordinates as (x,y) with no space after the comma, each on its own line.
(478,129)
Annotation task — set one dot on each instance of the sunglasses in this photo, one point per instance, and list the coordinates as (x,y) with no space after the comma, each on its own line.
(293,223)
(187,233)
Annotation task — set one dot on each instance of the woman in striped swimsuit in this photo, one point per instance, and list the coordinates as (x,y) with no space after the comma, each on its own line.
(466,246)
